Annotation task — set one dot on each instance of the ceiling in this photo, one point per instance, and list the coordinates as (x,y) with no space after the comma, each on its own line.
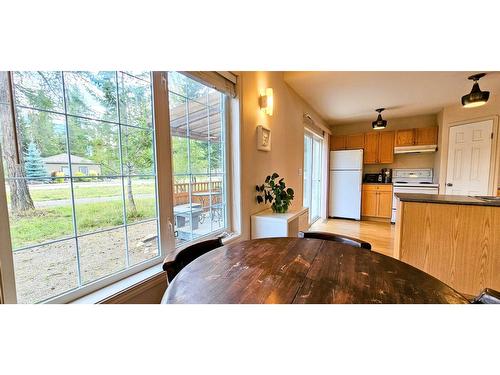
(343,97)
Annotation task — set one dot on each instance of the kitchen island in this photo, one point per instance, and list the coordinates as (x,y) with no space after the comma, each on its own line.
(454,238)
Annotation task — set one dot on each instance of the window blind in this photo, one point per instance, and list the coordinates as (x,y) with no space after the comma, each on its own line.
(224,82)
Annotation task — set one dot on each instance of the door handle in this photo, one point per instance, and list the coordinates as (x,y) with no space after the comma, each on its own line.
(449,184)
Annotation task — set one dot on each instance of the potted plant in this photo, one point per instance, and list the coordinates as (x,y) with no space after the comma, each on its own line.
(275,193)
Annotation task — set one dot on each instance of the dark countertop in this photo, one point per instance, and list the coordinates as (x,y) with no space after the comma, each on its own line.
(446,199)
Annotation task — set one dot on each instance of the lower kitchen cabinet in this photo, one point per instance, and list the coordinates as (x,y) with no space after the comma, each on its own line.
(369,202)
(385,204)
(376,200)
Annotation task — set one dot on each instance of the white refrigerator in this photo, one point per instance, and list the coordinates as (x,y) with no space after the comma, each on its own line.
(346,175)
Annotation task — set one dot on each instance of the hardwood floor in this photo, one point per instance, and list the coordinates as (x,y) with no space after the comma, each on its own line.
(380,235)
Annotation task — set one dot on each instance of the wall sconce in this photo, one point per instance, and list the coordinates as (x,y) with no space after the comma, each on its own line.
(266,101)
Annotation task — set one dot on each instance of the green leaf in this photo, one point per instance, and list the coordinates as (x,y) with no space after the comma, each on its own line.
(290,191)
(267,179)
(257,188)
(259,199)
(262,187)
(275,175)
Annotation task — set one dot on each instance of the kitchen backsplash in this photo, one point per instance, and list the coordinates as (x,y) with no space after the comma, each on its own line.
(424,160)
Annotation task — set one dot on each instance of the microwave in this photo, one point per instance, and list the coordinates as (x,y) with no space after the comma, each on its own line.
(373,177)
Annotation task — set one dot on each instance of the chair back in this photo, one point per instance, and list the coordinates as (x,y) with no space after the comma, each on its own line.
(355,242)
(187,255)
(488,296)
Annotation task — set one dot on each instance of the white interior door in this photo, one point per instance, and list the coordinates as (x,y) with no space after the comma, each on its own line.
(469,155)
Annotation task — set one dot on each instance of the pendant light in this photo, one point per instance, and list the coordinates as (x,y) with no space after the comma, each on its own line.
(476,97)
(379,123)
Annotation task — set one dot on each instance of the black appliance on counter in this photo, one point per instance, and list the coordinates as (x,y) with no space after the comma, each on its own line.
(384,177)
(373,178)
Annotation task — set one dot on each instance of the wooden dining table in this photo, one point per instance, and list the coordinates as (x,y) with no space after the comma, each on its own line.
(298,270)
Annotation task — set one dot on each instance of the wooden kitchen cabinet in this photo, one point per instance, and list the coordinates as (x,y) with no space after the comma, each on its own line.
(417,136)
(347,142)
(405,137)
(369,202)
(384,204)
(379,148)
(376,200)
(426,136)
(355,141)
(337,142)
(370,153)
(386,148)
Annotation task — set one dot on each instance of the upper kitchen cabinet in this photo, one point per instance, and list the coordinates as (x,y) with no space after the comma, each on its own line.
(338,142)
(355,141)
(416,137)
(426,136)
(405,137)
(386,148)
(370,154)
(347,142)
(379,148)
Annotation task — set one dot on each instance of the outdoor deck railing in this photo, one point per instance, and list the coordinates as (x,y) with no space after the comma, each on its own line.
(181,192)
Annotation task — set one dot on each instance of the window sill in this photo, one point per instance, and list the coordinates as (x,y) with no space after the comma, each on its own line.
(235,237)
(120,286)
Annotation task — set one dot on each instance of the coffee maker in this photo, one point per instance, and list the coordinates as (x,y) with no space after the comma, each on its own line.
(386,175)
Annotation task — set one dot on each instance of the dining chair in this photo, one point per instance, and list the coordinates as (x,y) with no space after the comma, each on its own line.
(488,296)
(337,238)
(187,255)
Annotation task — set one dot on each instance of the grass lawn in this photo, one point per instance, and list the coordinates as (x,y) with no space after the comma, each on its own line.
(82,191)
(53,223)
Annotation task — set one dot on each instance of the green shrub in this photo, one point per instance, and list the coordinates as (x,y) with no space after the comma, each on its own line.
(80,176)
(59,177)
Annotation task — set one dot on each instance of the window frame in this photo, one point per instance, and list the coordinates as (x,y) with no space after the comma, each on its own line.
(230,227)
(164,181)
(165,235)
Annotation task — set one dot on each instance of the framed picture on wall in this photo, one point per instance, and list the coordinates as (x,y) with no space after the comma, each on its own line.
(263,138)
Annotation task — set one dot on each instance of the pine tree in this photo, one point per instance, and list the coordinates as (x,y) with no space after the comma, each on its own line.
(33,162)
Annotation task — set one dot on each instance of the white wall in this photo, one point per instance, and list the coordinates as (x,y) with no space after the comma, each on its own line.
(287,139)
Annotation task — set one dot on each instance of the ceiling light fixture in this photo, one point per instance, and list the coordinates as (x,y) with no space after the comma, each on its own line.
(379,123)
(476,97)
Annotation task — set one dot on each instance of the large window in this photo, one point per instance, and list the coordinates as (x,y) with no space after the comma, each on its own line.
(197,125)
(81,186)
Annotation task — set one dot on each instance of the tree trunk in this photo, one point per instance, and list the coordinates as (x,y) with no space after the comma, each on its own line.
(130,195)
(20,198)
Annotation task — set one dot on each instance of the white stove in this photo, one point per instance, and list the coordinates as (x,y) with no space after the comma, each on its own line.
(412,181)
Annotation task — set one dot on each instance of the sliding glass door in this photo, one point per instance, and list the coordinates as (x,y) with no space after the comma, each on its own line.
(312,175)
(197,127)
